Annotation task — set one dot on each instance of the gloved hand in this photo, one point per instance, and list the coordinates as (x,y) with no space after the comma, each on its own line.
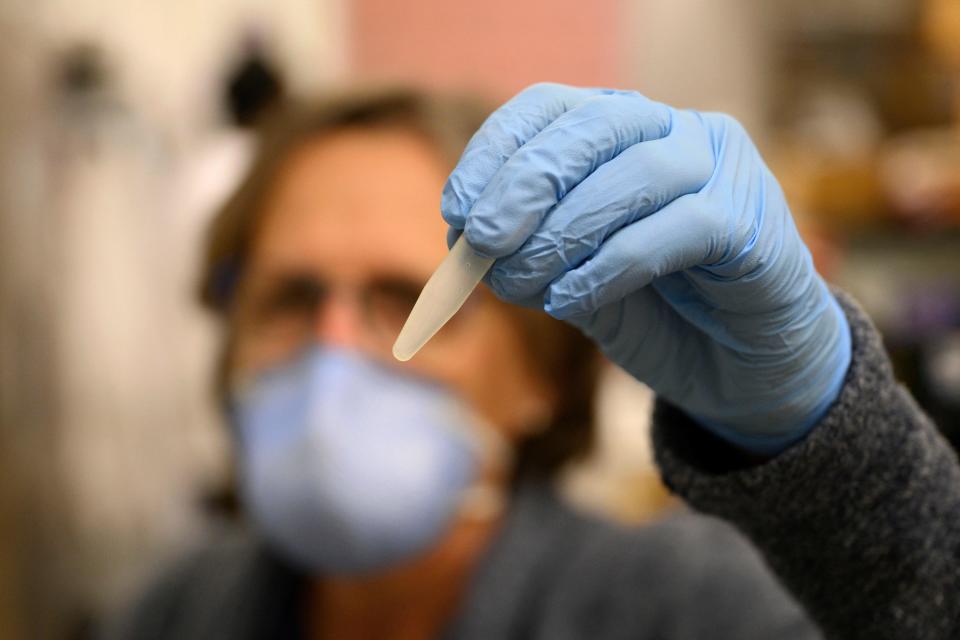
(662,235)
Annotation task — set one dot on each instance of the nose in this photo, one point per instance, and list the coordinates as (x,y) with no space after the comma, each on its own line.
(339,321)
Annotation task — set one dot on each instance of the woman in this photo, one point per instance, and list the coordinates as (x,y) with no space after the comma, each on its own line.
(413,501)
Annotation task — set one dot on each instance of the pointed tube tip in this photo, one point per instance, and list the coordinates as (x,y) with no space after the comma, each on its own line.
(402,353)
(443,295)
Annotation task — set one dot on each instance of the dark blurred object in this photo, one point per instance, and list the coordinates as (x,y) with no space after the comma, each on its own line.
(931,369)
(940,378)
(910,285)
(254,86)
(925,345)
(91,113)
(82,70)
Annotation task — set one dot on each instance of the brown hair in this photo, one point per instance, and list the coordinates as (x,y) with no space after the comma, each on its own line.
(564,358)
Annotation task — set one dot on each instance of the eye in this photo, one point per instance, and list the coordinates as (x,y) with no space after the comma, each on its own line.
(389,302)
(290,296)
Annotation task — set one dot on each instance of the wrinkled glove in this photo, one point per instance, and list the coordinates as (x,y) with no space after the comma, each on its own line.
(663,236)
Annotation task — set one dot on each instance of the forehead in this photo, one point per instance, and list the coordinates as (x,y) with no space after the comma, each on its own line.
(355,203)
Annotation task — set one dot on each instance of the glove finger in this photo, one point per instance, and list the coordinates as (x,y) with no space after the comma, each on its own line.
(679,236)
(506,130)
(558,158)
(530,302)
(638,182)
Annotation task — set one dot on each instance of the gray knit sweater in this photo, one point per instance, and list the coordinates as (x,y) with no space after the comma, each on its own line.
(861,520)
(852,533)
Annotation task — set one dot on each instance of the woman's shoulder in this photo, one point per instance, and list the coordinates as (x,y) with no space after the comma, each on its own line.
(223,588)
(687,542)
(559,572)
(680,548)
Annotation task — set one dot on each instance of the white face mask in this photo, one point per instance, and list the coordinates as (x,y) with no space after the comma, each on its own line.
(347,466)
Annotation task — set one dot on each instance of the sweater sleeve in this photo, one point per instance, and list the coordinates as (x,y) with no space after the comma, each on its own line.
(860,520)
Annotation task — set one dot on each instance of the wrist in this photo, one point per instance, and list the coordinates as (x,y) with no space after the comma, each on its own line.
(784,420)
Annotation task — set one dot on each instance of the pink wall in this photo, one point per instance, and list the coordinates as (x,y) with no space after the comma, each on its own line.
(496,46)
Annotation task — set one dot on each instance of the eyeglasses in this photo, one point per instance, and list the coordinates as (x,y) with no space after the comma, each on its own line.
(285,309)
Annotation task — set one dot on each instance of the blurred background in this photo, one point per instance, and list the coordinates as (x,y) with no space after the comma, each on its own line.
(123,124)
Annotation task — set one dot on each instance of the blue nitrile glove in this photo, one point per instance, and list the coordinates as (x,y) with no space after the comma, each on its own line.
(662,235)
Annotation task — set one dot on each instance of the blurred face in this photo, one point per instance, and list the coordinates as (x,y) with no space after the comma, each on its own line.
(350,234)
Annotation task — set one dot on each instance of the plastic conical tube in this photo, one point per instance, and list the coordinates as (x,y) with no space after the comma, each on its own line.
(443,295)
